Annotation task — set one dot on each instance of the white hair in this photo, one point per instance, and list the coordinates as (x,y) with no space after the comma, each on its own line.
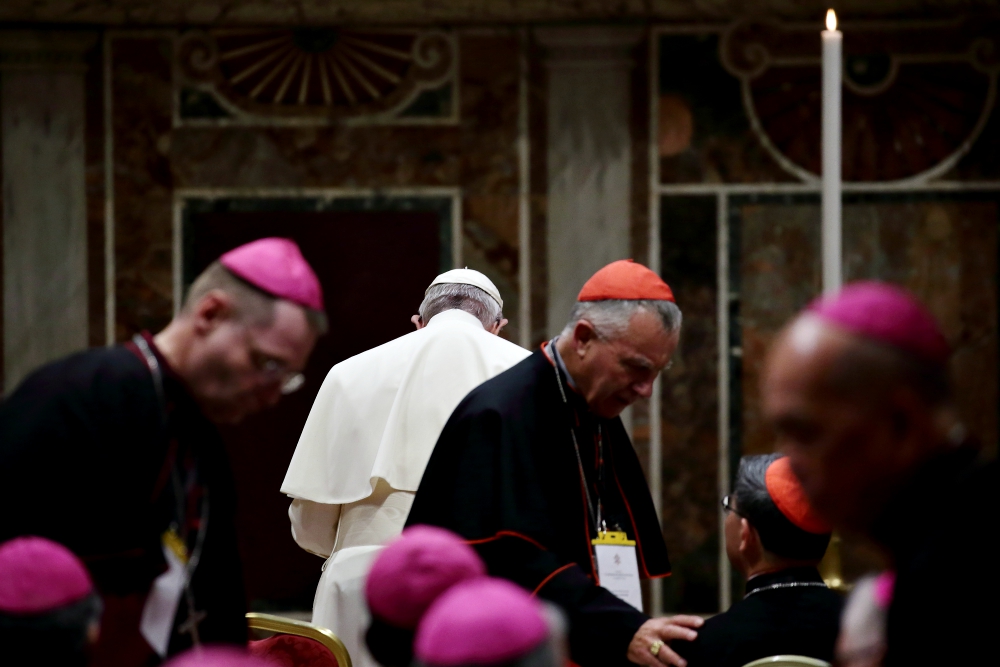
(610,317)
(452,296)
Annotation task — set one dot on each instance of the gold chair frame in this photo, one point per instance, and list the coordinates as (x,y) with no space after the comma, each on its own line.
(787,661)
(290,626)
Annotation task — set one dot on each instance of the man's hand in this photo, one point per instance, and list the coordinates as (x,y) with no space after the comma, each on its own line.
(662,630)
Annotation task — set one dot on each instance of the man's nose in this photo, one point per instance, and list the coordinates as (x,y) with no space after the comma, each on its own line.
(269,394)
(644,389)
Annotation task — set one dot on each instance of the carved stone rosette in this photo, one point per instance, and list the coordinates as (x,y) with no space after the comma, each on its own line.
(316,73)
(915,96)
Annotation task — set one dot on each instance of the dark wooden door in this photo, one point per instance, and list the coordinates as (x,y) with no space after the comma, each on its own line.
(374,268)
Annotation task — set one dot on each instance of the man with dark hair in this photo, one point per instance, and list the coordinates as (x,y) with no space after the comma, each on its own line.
(114,452)
(856,388)
(775,540)
(50,613)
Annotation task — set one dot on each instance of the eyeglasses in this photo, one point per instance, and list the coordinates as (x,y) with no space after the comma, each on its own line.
(727,505)
(274,370)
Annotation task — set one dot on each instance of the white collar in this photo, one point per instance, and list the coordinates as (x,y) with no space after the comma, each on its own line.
(455,316)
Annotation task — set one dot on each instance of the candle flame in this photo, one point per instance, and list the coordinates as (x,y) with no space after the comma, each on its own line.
(831,20)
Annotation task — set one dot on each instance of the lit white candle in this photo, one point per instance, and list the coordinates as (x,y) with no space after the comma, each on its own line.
(833,41)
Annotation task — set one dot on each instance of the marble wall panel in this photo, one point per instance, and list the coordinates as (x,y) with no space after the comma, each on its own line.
(490,77)
(943,248)
(44,217)
(690,407)
(94,178)
(144,181)
(945,251)
(479,155)
(780,274)
(538,111)
(589,156)
(704,133)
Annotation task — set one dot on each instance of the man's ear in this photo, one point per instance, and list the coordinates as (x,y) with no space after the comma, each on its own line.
(211,310)
(584,335)
(417,322)
(749,541)
(498,326)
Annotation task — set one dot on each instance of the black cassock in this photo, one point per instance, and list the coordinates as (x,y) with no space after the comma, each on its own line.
(504,475)
(86,460)
(939,530)
(789,612)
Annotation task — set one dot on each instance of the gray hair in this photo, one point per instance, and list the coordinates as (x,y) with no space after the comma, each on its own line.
(611,317)
(250,303)
(459,296)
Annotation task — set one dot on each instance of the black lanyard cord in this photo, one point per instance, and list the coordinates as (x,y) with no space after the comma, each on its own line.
(596,517)
(180,493)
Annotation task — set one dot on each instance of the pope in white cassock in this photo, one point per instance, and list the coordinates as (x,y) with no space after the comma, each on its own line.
(371,431)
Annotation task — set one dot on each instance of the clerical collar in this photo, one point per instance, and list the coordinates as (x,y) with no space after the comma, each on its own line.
(557,358)
(791,577)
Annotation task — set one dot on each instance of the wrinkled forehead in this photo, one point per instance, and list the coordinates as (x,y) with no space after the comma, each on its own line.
(649,346)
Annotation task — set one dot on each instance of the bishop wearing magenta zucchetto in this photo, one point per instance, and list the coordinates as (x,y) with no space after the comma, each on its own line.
(857,390)
(114,452)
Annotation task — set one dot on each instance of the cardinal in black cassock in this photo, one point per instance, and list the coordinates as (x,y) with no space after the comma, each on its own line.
(109,453)
(775,539)
(534,461)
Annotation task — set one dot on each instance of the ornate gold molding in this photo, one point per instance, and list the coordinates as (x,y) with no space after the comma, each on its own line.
(916,95)
(315,74)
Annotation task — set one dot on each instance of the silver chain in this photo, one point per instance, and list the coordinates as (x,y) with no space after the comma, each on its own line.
(790,584)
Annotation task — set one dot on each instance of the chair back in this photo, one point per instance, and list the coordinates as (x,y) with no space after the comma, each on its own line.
(787,661)
(289,626)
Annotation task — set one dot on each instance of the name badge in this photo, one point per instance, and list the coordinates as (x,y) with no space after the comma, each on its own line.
(157,621)
(617,568)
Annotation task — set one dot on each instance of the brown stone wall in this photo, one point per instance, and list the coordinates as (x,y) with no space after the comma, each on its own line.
(690,407)
(152,158)
(943,248)
(94,174)
(538,111)
(144,181)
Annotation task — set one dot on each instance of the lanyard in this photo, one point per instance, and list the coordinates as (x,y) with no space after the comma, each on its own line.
(595,516)
(180,495)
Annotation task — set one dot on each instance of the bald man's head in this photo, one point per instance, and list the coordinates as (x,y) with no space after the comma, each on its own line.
(853,414)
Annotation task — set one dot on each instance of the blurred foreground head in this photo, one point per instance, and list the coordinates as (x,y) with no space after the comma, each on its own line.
(49,611)
(621,333)
(219,656)
(246,329)
(405,580)
(770,523)
(856,388)
(486,622)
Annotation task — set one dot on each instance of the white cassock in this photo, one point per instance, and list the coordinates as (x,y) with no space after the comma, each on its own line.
(364,448)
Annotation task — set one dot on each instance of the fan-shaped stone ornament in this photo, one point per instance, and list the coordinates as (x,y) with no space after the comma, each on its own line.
(915,96)
(318,73)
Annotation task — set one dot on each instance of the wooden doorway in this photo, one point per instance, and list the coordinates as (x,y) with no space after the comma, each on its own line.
(374,266)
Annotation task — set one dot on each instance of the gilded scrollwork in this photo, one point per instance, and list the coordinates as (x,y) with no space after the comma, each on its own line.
(915,98)
(315,74)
